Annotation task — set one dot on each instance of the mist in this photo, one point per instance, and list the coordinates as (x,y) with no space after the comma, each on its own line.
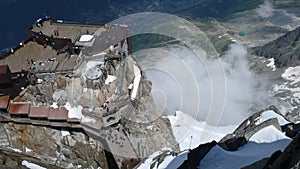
(265,10)
(181,83)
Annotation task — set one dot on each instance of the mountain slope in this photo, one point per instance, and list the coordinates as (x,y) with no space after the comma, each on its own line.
(285,50)
(268,138)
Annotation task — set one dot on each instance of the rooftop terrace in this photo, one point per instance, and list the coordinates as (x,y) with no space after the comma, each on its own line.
(64,29)
(20,59)
(19,108)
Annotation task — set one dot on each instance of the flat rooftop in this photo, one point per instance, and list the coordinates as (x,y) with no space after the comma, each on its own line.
(19,108)
(104,39)
(65,30)
(58,114)
(31,50)
(4,69)
(40,111)
(4,100)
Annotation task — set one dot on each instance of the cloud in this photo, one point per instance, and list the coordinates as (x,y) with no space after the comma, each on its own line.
(185,82)
(265,10)
(240,83)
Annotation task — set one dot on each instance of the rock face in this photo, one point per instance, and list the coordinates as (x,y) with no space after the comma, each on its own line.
(107,100)
(241,135)
(50,147)
(196,155)
(289,158)
(285,50)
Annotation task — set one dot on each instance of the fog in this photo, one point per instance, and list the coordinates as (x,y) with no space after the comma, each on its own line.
(181,83)
(189,76)
(265,10)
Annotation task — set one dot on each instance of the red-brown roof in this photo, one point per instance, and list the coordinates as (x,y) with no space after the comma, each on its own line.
(4,100)
(41,111)
(74,119)
(3,69)
(19,108)
(58,114)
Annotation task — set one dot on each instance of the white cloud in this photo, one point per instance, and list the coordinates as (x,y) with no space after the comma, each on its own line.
(265,10)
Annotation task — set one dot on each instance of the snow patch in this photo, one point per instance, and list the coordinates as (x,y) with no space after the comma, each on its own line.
(169,162)
(110,79)
(31,165)
(271,64)
(74,112)
(92,64)
(16,150)
(292,74)
(269,115)
(65,133)
(54,105)
(57,94)
(86,119)
(27,150)
(268,134)
(261,145)
(136,81)
(189,133)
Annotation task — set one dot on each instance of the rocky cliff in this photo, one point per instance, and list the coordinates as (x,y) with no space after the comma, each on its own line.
(285,50)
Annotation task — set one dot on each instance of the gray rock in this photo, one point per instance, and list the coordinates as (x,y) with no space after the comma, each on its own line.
(196,155)
(285,50)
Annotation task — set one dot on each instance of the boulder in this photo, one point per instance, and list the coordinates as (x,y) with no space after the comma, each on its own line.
(196,155)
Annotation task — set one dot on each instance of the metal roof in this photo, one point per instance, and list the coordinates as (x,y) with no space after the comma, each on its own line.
(4,100)
(40,111)
(3,69)
(19,108)
(58,114)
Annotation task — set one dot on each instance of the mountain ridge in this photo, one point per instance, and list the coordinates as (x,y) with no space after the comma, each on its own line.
(285,50)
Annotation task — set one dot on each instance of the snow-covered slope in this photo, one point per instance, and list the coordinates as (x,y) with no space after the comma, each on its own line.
(261,145)
(269,114)
(292,76)
(190,133)
(288,91)
(169,162)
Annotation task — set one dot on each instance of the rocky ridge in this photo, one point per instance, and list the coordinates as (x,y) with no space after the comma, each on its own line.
(232,142)
(285,50)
